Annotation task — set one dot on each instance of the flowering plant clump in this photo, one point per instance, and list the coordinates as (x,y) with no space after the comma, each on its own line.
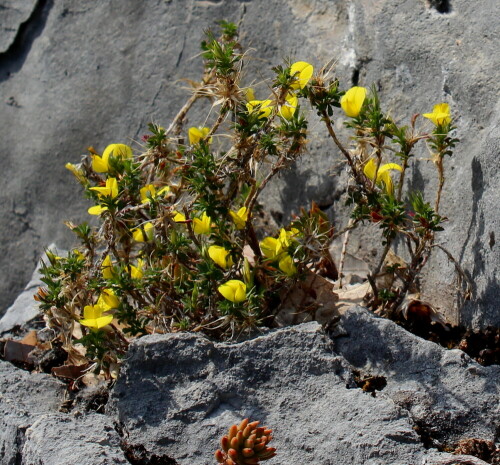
(177,247)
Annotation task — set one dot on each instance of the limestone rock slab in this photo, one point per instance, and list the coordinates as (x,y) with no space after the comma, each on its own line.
(177,395)
(66,440)
(446,393)
(24,397)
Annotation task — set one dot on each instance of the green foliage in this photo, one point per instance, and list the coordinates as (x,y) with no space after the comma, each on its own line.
(178,247)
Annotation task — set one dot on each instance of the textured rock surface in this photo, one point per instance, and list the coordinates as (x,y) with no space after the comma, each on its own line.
(446,393)
(24,307)
(23,399)
(66,440)
(13,14)
(183,386)
(178,393)
(81,74)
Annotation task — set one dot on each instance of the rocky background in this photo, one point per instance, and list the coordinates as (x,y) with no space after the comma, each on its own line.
(74,74)
(388,398)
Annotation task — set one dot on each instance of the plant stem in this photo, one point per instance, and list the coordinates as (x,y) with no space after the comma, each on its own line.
(345,152)
(198,93)
(440,168)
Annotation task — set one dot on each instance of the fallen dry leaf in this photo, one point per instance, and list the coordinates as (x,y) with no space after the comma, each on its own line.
(16,351)
(70,371)
(30,339)
(313,298)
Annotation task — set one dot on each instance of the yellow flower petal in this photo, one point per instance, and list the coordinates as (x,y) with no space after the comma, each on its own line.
(163,190)
(77,172)
(96,210)
(264,107)
(220,256)
(284,238)
(97,323)
(440,114)
(197,134)
(288,109)
(109,190)
(92,311)
(269,247)
(287,266)
(112,183)
(234,290)
(240,217)
(147,192)
(179,217)
(99,165)
(389,166)
(383,174)
(108,300)
(118,151)
(202,225)
(143,233)
(78,254)
(136,271)
(107,268)
(249,94)
(352,101)
(302,71)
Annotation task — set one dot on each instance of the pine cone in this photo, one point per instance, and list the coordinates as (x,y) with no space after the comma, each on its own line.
(245,444)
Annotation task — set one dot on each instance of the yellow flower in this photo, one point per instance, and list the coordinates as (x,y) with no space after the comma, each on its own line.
(110,190)
(352,101)
(101,164)
(302,72)
(197,134)
(287,266)
(143,233)
(264,107)
(271,247)
(240,217)
(284,238)
(53,258)
(97,210)
(107,268)
(78,254)
(77,172)
(249,94)
(93,317)
(234,290)
(136,272)
(108,300)
(220,256)
(383,174)
(149,192)
(179,217)
(202,225)
(288,109)
(440,114)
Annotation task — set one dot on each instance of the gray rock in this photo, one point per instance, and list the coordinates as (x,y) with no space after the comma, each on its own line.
(24,398)
(177,394)
(13,14)
(60,439)
(25,308)
(126,73)
(447,394)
